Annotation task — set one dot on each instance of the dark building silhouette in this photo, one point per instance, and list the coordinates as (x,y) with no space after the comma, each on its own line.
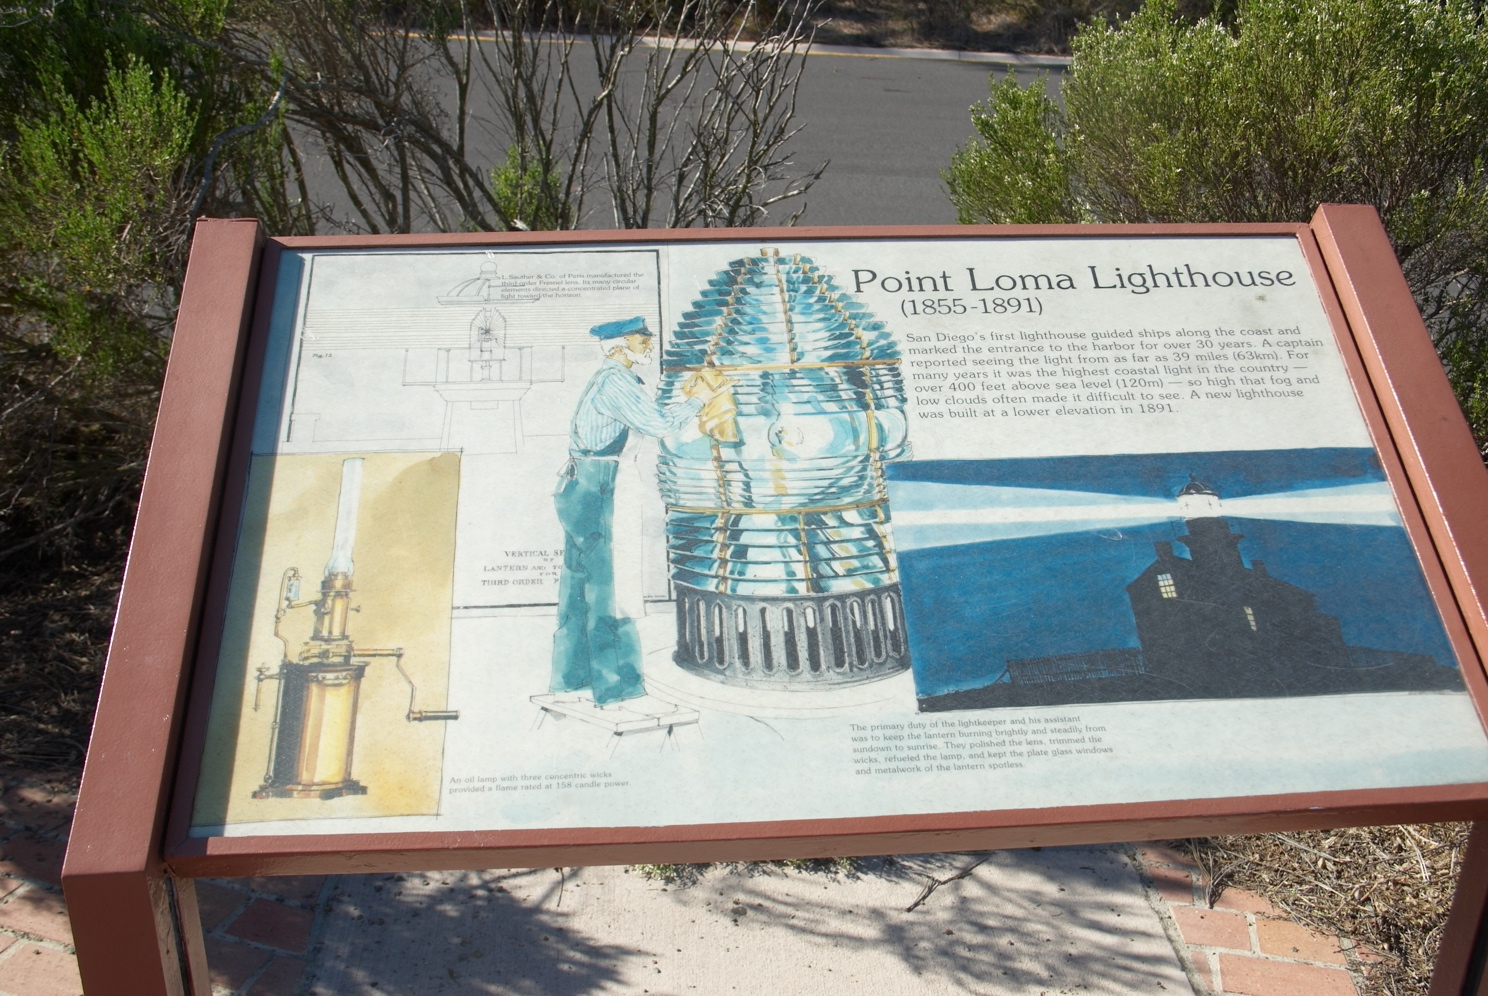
(1210,627)
(1209,622)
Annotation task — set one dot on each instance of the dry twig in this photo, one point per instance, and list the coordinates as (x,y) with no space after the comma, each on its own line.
(935,883)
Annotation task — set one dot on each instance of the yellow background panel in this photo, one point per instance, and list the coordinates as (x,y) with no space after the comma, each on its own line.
(404,558)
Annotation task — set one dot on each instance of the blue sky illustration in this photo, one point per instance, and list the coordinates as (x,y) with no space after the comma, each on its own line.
(1042,549)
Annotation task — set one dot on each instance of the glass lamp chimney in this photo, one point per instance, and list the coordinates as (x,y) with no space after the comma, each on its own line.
(346,518)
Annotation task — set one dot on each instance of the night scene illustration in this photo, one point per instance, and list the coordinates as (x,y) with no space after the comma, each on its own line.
(1164,576)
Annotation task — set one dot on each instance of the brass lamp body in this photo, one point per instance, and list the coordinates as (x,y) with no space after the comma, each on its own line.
(315,721)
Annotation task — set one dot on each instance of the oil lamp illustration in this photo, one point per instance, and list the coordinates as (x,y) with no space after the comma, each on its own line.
(778,530)
(315,720)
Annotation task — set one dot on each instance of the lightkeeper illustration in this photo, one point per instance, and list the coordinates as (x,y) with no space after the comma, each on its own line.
(315,717)
(778,527)
(596,648)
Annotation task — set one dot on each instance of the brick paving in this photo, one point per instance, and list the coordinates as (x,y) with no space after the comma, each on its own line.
(258,929)
(1243,945)
(262,932)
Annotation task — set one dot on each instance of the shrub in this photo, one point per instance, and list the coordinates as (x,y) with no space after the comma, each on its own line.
(113,123)
(1291,104)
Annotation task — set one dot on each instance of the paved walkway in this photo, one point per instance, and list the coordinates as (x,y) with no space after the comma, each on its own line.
(1094,920)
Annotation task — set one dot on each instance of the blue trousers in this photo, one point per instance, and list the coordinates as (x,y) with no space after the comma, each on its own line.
(593,647)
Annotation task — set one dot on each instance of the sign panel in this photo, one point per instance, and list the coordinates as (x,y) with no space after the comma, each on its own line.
(669,534)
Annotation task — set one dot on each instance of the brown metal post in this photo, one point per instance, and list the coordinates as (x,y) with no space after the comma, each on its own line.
(136,929)
(1448,477)
(1460,960)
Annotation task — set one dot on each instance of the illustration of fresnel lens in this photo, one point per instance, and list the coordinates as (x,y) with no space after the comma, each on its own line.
(778,535)
(315,720)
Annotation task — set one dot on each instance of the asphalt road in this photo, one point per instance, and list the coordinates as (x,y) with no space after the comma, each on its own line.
(885,124)
(888,126)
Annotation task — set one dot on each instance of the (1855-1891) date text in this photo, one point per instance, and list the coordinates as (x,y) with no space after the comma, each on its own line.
(918,307)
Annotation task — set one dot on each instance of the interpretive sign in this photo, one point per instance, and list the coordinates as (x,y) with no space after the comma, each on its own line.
(958,523)
(622,545)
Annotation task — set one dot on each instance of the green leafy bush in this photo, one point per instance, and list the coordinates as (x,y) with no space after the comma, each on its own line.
(118,130)
(1291,104)
(90,200)
(529,195)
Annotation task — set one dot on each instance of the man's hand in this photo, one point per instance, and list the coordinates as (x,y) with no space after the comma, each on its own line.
(706,384)
(713,389)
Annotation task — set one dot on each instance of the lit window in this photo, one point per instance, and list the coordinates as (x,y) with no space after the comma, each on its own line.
(1165,586)
(1250,617)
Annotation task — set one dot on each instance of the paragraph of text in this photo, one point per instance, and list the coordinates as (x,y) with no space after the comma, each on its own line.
(971,743)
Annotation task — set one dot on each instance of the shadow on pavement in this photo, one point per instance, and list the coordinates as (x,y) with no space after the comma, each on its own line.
(1048,921)
(446,932)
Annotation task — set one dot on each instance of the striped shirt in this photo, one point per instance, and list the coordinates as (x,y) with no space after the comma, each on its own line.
(616,401)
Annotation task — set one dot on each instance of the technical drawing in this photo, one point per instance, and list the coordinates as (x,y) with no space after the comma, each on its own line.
(491,373)
(450,366)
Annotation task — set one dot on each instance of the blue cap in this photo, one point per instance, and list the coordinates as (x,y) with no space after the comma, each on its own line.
(625,326)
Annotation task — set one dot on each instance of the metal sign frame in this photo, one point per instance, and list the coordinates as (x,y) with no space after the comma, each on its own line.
(130,867)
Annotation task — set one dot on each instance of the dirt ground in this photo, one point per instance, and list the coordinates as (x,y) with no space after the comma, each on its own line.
(971,25)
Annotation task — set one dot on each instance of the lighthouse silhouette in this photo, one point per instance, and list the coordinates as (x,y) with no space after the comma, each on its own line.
(1212,624)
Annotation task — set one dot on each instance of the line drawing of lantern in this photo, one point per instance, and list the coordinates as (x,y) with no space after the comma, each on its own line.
(483,382)
(313,735)
(778,528)
(487,351)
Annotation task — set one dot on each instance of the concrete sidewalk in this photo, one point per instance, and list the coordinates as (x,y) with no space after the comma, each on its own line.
(1023,922)
(1122,919)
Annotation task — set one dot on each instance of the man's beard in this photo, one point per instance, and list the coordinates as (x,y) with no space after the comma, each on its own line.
(638,359)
